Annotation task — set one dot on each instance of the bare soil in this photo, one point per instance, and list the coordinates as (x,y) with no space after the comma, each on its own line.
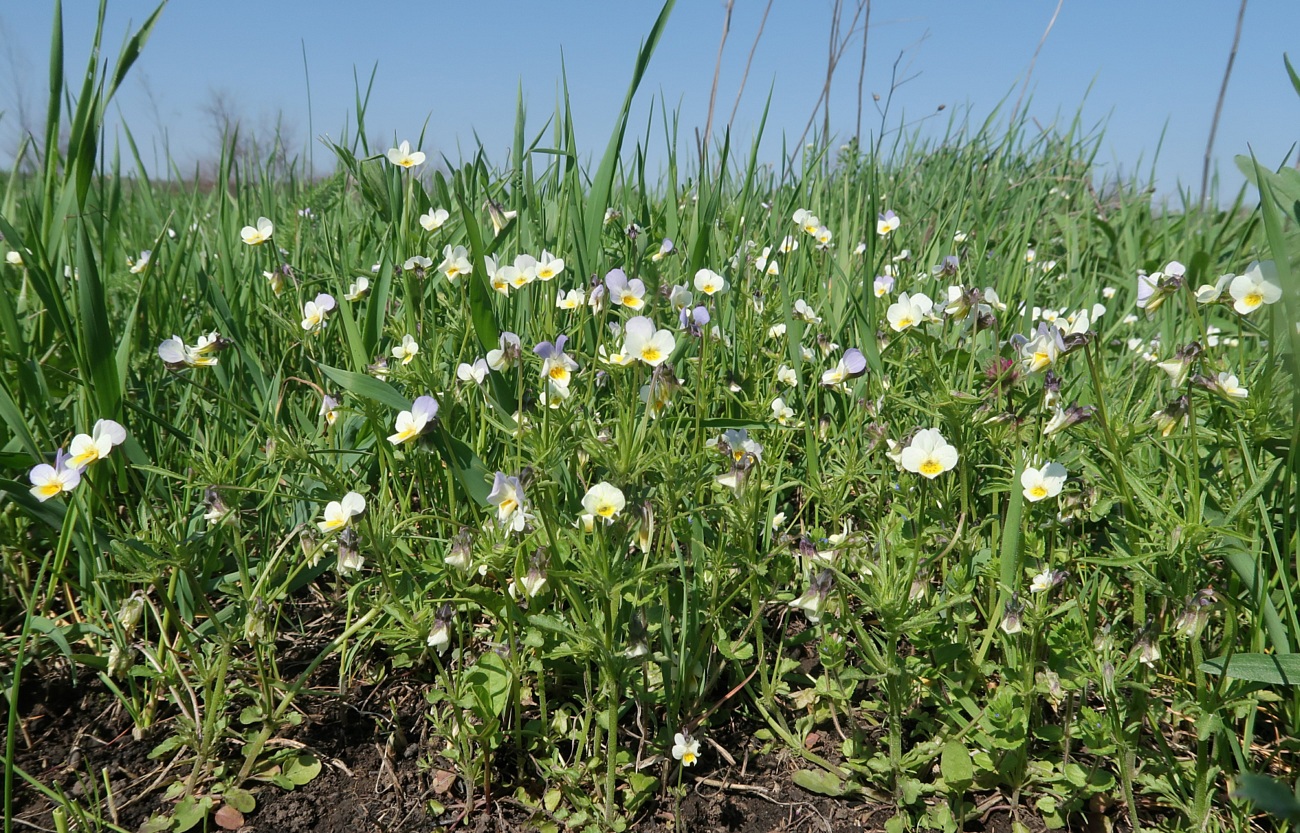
(78,740)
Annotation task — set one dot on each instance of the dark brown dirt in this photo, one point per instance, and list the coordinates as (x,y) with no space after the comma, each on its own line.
(374,779)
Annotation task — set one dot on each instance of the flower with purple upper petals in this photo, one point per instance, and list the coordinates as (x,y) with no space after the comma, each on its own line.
(557,366)
(887,222)
(628,293)
(410,424)
(851,365)
(48,481)
(693,319)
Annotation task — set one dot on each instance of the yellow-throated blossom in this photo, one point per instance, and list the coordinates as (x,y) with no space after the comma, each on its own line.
(548,266)
(88,448)
(686,748)
(929,454)
(1226,385)
(887,223)
(329,408)
(573,299)
(259,234)
(604,501)
(314,312)
(1043,482)
(49,481)
(339,513)
(507,496)
(403,157)
(520,273)
(1257,286)
(850,365)
(641,340)
(710,282)
(908,311)
(782,412)
(410,424)
(624,292)
(557,366)
(176,354)
(1041,350)
(407,350)
(455,262)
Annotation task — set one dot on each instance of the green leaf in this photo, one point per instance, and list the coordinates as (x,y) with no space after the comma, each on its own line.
(241,800)
(1285,324)
(488,682)
(1271,669)
(955,765)
(1269,795)
(301,769)
(480,295)
(367,387)
(98,347)
(1290,70)
(641,788)
(822,782)
(190,812)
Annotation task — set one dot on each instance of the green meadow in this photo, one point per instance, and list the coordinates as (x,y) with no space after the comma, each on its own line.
(935,481)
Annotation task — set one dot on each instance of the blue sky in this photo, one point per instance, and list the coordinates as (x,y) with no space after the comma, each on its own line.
(1148,70)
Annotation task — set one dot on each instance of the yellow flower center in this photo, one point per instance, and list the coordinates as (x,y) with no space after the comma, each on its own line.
(931,466)
(606,510)
(50,489)
(906,321)
(1038,491)
(559,373)
(86,457)
(1253,299)
(650,353)
(688,758)
(509,505)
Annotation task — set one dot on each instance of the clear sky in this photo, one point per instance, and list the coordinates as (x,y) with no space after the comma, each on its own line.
(1149,70)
